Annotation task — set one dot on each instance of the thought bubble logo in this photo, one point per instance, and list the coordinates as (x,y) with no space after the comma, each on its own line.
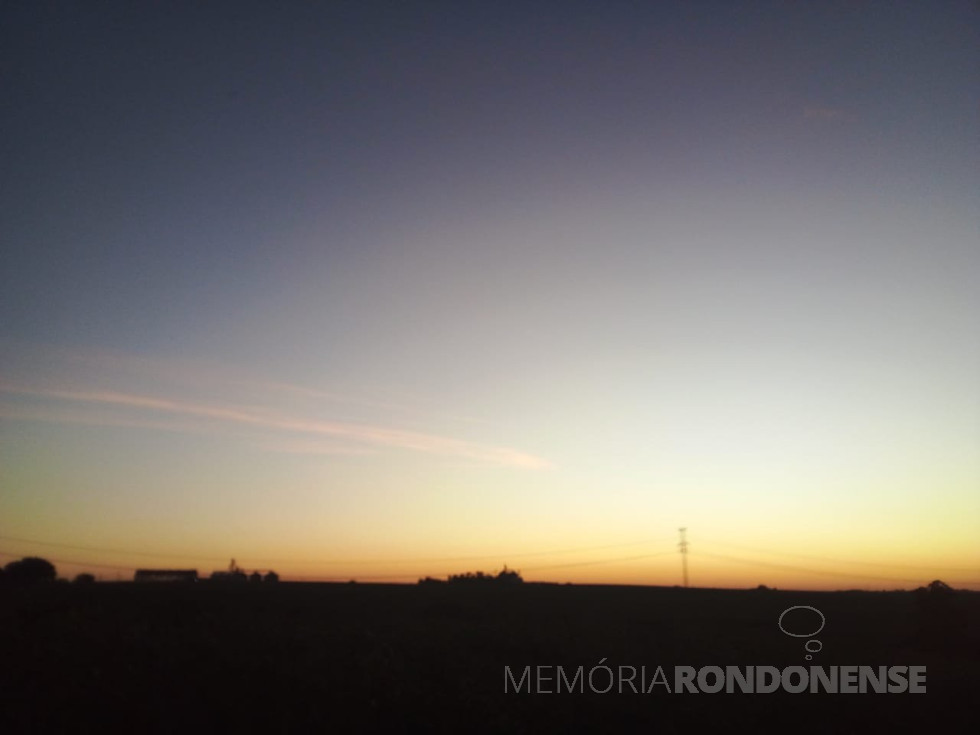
(811,646)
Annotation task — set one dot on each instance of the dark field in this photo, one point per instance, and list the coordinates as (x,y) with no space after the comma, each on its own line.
(297,657)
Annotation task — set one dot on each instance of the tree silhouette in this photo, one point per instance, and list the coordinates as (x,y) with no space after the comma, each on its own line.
(507,576)
(938,587)
(29,570)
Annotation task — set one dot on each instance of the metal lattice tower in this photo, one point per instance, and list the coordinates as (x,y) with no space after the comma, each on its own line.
(683,547)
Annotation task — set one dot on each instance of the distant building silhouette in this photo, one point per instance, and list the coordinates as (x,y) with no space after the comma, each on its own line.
(234,574)
(165,575)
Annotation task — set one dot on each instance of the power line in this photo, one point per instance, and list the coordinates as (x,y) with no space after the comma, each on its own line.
(253,562)
(683,546)
(750,562)
(97,549)
(523,569)
(600,561)
(77,563)
(841,561)
(132,569)
(359,577)
(789,567)
(426,560)
(381,576)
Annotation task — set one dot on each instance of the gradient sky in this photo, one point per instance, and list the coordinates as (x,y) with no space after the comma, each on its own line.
(379,290)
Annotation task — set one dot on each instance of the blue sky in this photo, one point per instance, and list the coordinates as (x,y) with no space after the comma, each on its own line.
(425,281)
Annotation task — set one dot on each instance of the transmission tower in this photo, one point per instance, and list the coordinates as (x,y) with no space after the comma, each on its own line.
(683,547)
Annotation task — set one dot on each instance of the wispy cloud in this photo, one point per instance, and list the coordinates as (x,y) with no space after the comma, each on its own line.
(82,417)
(364,434)
(315,447)
(127,372)
(340,398)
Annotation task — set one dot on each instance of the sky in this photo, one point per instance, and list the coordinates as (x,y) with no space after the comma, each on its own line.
(375,291)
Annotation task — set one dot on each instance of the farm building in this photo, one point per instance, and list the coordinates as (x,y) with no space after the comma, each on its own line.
(166,575)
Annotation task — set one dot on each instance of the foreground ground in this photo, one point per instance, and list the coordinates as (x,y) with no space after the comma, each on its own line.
(292,657)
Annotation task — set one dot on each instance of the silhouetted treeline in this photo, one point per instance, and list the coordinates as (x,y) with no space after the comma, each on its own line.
(28,571)
(506,576)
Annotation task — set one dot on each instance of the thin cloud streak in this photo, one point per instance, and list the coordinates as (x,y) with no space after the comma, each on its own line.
(314,447)
(196,375)
(334,397)
(72,417)
(374,435)
(317,447)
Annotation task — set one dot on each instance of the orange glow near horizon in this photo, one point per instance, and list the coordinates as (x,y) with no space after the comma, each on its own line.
(723,566)
(379,296)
